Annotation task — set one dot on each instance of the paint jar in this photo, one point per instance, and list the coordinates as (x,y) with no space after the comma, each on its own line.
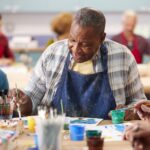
(36,140)
(6,111)
(117,116)
(31,124)
(94,140)
(76,132)
(66,126)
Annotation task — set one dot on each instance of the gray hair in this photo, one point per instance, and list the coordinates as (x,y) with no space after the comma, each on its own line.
(128,14)
(88,17)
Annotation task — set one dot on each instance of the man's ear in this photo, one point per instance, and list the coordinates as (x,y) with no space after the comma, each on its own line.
(103,35)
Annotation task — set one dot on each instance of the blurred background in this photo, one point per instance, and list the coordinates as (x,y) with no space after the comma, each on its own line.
(27,22)
(29,27)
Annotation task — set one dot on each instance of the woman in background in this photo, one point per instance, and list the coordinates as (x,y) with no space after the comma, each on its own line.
(60,25)
(136,43)
(6,55)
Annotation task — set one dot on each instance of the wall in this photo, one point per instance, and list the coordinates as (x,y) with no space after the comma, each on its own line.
(33,16)
(71,5)
(39,23)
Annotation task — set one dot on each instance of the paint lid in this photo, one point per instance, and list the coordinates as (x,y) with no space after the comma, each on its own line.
(93,133)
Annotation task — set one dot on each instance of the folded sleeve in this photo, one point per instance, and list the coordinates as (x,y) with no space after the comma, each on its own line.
(134,88)
(36,86)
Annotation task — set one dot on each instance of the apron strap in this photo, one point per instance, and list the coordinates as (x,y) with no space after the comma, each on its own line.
(104,56)
(103,51)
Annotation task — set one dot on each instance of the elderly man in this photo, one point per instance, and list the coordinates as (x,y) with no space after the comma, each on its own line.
(136,43)
(88,74)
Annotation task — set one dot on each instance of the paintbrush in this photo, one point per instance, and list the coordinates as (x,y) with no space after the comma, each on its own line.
(130,107)
(16,92)
(62,107)
(146,104)
(18,105)
(19,112)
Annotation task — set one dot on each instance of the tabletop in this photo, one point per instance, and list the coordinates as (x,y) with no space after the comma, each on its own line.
(26,140)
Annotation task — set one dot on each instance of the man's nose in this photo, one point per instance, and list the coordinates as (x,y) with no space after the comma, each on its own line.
(76,47)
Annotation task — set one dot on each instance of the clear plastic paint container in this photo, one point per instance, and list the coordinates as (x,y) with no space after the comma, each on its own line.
(117,116)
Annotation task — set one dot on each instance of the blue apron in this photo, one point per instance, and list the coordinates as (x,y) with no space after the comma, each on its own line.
(85,95)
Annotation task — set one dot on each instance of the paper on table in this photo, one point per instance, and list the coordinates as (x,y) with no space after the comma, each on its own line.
(84,121)
(111,132)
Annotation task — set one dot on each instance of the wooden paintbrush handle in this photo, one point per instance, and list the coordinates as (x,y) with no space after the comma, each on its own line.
(147,104)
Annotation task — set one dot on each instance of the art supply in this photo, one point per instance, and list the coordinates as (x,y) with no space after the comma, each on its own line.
(3,138)
(18,105)
(146,104)
(94,140)
(5,107)
(17,95)
(18,110)
(93,133)
(31,124)
(5,111)
(130,107)
(3,94)
(5,135)
(82,120)
(66,126)
(36,140)
(62,107)
(51,113)
(112,132)
(117,116)
(42,112)
(49,132)
(20,127)
(76,132)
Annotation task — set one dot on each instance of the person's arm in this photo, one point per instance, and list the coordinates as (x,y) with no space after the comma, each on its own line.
(36,87)
(134,88)
(33,93)
(24,101)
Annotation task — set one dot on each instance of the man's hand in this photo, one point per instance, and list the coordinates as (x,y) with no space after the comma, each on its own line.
(139,135)
(143,110)
(20,98)
(129,114)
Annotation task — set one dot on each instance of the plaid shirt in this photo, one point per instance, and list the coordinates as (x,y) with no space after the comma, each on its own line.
(122,71)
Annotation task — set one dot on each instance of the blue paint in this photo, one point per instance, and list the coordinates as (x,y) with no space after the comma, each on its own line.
(120,127)
(87,121)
